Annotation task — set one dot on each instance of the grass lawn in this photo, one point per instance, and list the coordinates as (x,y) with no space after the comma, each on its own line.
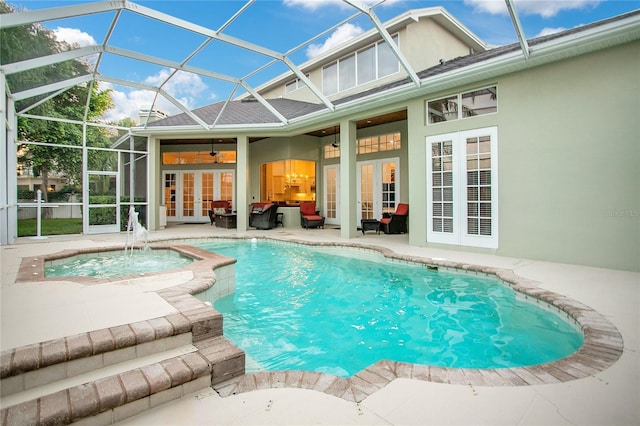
(27,227)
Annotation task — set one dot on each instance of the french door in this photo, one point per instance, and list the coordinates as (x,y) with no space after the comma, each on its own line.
(332,194)
(187,194)
(378,187)
(462,188)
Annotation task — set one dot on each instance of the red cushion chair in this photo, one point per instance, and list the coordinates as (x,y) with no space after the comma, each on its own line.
(309,216)
(395,223)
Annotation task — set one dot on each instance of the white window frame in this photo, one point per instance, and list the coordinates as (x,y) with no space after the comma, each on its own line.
(293,85)
(377,183)
(459,113)
(337,65)
(459,236)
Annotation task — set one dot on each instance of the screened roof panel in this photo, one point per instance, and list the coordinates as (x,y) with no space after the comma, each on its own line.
(228,59)
(136,48)
(152,37)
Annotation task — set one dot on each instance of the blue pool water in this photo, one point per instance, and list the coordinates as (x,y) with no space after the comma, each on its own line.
(297,308)
(111,264)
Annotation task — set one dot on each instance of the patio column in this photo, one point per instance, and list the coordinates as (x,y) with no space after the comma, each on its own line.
(154,183)
(417,172)
(348,184)
(242,183)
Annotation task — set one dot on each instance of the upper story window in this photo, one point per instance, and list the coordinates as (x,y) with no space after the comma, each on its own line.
(463,105)
(294,85)
(198,157)
(371,63)
(388,142)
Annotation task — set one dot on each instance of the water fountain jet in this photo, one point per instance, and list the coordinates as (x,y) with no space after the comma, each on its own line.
(136,230)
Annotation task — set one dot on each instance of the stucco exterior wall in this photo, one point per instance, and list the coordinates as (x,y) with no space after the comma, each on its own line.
(569,147)
(569,159)
(425,43)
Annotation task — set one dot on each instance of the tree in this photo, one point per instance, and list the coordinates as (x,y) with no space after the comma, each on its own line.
(31,41)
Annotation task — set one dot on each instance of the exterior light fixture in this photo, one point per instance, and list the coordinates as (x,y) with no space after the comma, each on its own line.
(335,143)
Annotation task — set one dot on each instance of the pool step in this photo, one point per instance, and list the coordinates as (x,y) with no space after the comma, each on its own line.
(105,376)
(119,392)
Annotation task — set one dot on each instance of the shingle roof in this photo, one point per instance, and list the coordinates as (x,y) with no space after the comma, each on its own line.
(242,112)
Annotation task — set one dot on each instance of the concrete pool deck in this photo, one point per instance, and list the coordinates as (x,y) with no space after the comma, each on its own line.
(608,397)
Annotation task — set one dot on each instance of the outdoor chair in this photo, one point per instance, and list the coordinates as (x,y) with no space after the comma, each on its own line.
(218,207)
(310,217)
(263,215)
(395,223)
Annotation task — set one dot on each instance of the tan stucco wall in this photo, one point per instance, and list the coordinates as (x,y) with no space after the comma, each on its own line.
(425,43)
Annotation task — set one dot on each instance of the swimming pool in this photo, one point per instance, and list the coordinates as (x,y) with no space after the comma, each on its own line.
(338,311)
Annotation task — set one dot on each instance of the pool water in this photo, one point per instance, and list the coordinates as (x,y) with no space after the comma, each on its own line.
(297,308)
(111,264)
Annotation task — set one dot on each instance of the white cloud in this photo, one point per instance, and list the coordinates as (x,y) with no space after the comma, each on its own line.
(547,31)
(342,34)
(316,4)
(181,84)
(544,8)
(187,88)
(74,36)
(313,4)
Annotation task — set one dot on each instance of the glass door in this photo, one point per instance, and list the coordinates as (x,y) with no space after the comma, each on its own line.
(187,195)
(170,189)
(378,188)
(103,194)
(332,194)
(188,203)
(365,190)
(203,201)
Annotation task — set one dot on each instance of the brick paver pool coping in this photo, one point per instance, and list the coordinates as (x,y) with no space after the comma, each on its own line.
(603,344)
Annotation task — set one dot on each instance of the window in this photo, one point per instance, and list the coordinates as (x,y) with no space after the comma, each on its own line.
(462,188)
(330,79)
(387,61)
(294,85)
(198,157)
(347,77)
(479,102)
(289,181)
(371,63)
(388,142)
(331,151)
(367,65)
(367,145)
(468,104)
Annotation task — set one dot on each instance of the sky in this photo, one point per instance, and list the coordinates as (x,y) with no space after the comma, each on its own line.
(279,25)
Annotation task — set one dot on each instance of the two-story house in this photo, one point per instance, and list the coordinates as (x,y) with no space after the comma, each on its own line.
(530,154)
